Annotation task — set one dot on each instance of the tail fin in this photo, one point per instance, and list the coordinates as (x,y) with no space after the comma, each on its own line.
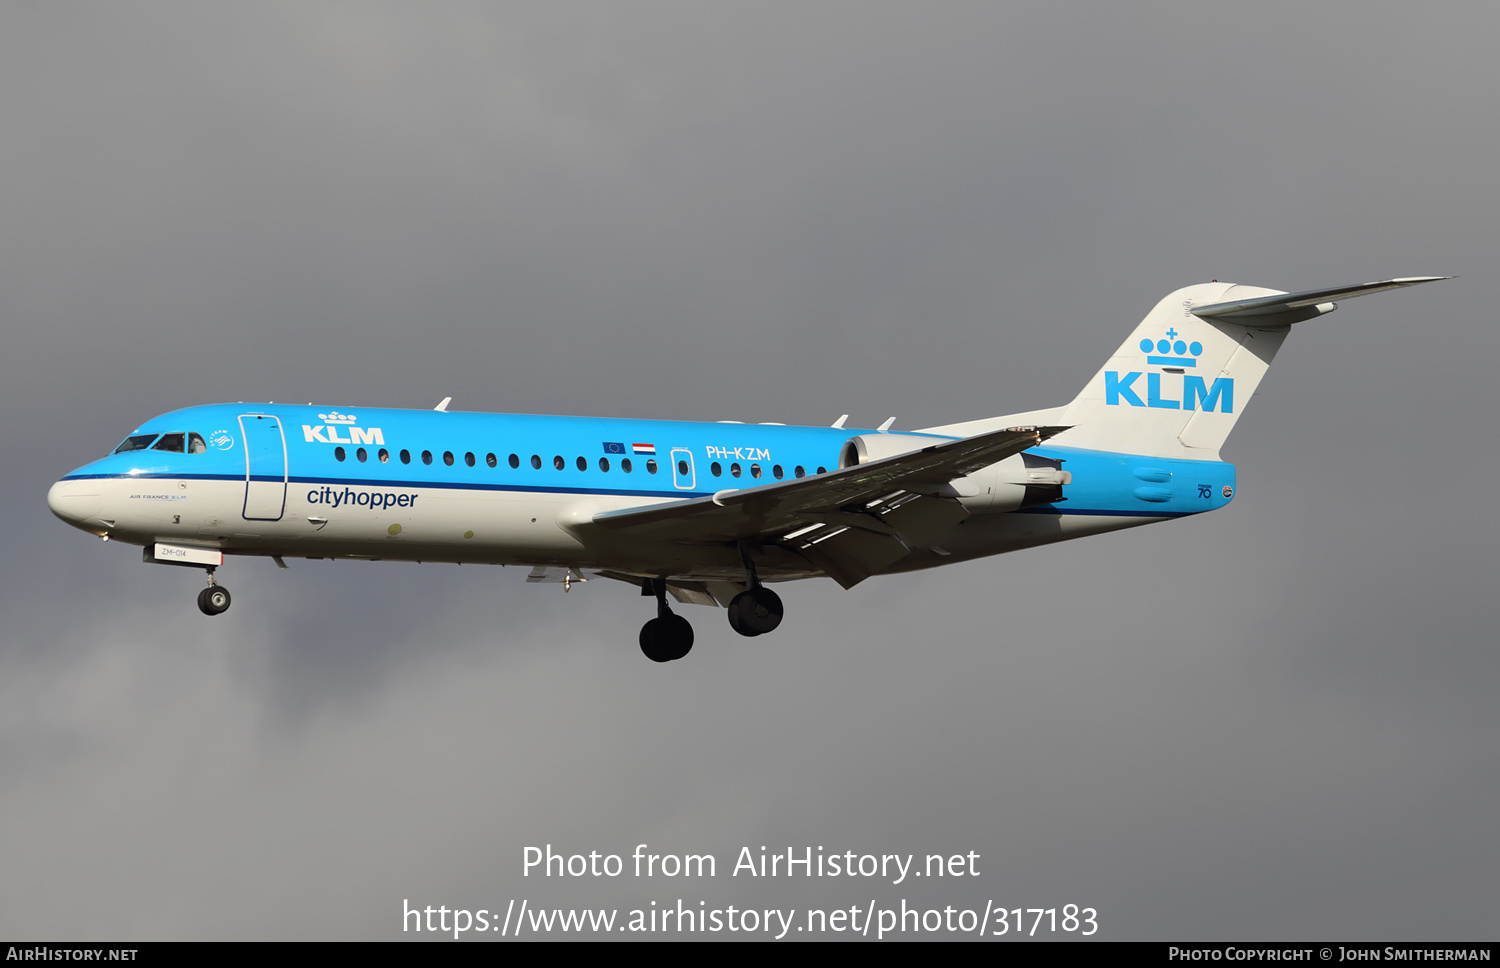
(1176,387)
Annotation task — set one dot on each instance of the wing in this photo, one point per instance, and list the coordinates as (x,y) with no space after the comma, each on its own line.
(832,502)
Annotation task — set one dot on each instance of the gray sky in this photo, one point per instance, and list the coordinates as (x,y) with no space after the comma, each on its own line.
(1272,722)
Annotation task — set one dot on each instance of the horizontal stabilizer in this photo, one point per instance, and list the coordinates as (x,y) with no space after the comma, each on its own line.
(1301,305)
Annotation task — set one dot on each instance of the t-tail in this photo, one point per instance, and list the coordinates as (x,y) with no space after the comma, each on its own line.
(1178,384)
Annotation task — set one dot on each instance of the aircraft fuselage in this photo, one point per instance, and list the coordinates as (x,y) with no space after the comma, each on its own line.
(508,489)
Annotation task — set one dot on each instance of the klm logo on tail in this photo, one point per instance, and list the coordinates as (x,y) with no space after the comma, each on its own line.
(1183,391)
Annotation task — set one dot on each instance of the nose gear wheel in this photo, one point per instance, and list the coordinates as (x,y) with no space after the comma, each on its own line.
(213,600)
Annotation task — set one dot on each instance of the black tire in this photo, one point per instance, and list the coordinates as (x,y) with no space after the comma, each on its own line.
(756,611)
(736,621)
(680,633)
(666,638)
(214,600)
(654,642)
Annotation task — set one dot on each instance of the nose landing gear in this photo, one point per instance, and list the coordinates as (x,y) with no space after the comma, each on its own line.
(668,636)
(213,600)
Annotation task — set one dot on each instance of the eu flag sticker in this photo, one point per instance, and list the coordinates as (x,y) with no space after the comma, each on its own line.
(610,447)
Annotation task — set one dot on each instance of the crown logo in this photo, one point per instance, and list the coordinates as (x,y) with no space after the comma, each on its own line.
(334,417)
(1182,353)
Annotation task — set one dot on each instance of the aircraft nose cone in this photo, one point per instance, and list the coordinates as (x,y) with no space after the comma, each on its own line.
(75,501)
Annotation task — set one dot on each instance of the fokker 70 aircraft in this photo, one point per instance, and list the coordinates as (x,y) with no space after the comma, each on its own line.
(709,512)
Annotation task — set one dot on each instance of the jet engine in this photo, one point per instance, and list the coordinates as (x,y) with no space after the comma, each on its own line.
(1019,481)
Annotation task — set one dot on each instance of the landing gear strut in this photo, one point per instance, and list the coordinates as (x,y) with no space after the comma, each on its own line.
(756,610)
(668,636)
(213,600)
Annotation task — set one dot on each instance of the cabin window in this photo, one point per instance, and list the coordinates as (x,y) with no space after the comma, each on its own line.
(448,457)
(625,464)
(138,442)
(776,471)
(172,443)
(604,464)
(682,468)
(755,470)
(799,471)
(651,466)
(515,461)
(583,463)
(406,457)
(338,453)
(558,462)
(361,456)
(536,462)
(469,459)
(716,469)
(385,456)
(490,460)
(822,470)
(196,445)
(734,470)
(427,457)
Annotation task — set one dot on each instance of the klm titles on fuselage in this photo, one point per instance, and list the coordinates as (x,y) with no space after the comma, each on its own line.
(329,432)
(1194,390)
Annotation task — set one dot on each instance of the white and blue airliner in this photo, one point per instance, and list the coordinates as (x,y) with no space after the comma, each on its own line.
(712,513)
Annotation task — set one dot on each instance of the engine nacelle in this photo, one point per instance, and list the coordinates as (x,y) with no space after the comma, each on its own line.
(1019,481)
(868,447)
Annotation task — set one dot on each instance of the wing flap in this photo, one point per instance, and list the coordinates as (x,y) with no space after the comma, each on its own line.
(853,556)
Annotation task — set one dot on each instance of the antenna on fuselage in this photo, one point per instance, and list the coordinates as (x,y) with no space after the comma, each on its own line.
(886,426)
(839,423)
(443,407)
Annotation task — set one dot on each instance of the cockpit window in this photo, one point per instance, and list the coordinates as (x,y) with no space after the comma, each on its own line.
(196,445)
(138,442)
(176,443)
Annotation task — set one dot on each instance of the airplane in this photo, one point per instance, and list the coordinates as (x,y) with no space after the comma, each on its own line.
(712,513)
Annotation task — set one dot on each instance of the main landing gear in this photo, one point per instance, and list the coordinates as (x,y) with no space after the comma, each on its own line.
(667,636)
(213,600)
(756,610)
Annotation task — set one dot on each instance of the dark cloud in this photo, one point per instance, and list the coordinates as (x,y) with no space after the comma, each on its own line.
(1267,723)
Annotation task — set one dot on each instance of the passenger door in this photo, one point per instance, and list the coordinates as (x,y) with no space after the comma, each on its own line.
(265,467)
